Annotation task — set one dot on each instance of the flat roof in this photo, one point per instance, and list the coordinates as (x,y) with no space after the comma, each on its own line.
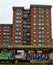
(47,6)
(32,5)
(18,7)
(5,24)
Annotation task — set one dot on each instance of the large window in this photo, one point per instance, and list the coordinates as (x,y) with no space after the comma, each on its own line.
(18,21)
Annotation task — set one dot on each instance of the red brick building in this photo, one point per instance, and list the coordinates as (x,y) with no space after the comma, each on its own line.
(41,24)
(5,34)
(32,26)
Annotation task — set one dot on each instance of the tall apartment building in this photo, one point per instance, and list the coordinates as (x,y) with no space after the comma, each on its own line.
(5,34)
(32,26)
(21,26)
(41,25)
(17,25)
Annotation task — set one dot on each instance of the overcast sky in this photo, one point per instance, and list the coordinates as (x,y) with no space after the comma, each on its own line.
(6,13)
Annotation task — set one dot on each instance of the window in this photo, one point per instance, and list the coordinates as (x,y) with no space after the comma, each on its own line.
(39,15)
(17,29)
(48,40)
(42,19)
(39,36)
(34,15)
(40,12)
(5,40)
(5,30)
(34,40)
(47,12)
(17,13)
(47,24)
(34,36)
(34,23)
(48,36)
(28,26)
(47,32)
(6,37)
(18,33)
(25,22)
(34,32)
(18,10)
(42,23)
(18,17)
(34,27)
(39,19)
(34,12)
(39,32)
(47,9)
(47,20)
(18,21)
(19,37)
(16,41)
(18,25)
(34,8)
(47,16)
(24,26)
(28,33)
(42,32)
(39,23)
(24,41)
(40,44)
(6,33)
(42,28)
(40,8)
(42,36)
(47,28)
(34,20)
(16,37)
(42,40)
(19,41)
(6,27)
(25,15)
(42,16)
(39,40)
